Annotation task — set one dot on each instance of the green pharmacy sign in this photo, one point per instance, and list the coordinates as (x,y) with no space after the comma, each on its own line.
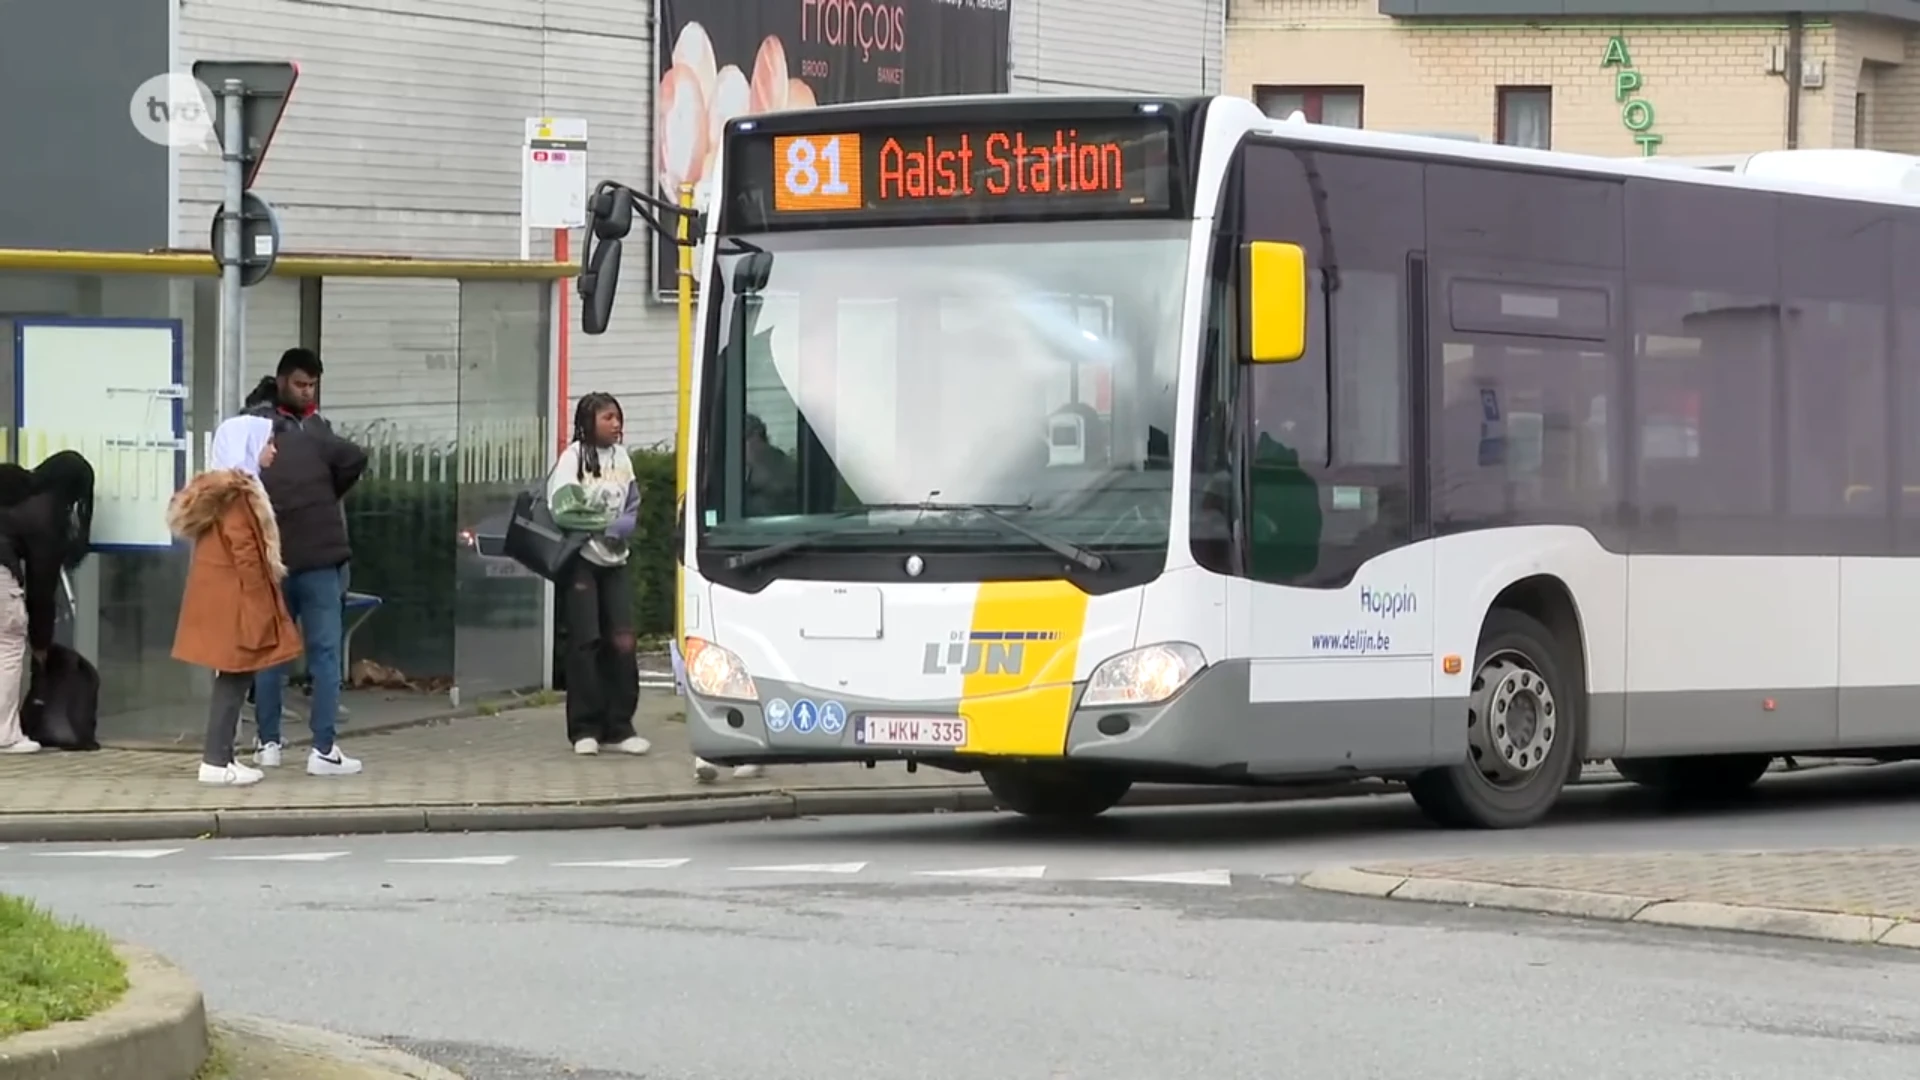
(1636,113)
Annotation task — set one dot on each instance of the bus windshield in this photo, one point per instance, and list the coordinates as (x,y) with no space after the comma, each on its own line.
(1029,367)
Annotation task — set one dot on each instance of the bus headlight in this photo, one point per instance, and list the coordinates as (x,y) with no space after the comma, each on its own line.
(1143,676)
(715,672)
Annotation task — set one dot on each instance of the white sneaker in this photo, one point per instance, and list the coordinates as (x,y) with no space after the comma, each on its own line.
(334,764)
(746,772)
(234,775)
(634,745)
(22,745)
(587,747)
(267,755)
(704,772)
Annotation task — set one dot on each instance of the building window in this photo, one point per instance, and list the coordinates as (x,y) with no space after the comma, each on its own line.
(1335,106)
(1526,117)
(1860,121)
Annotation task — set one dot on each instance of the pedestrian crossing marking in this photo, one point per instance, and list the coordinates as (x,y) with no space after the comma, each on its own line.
(807,868)
(1181,877)
(630,864)
(290,856)
(112,853)
(1018,872)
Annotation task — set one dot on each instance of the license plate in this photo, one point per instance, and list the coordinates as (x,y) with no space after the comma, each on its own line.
(910,731)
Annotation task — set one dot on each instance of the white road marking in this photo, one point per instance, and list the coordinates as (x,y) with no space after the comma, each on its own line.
(112,853)
(807,868)
(1214,878)
(1028,872)
(632,864)
(291,856)
(1180,877)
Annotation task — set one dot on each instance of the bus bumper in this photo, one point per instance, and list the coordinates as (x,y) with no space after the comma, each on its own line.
(1209,727)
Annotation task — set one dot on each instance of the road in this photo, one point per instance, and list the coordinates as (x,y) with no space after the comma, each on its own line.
(850,949)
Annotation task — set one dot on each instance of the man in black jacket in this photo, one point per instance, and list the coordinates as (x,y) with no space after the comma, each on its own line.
(312,471)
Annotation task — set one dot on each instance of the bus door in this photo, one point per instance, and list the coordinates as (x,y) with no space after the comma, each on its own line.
(1339,608)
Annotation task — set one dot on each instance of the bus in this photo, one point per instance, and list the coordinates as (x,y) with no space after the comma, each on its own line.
(1085,442)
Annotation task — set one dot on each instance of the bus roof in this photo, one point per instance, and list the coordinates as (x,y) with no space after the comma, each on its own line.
(1853,175)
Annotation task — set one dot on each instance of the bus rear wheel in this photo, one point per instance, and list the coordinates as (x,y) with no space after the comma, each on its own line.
(1523,730)
(1706,778)
(1054,792)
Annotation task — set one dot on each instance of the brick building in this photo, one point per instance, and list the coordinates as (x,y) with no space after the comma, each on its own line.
(1707,77)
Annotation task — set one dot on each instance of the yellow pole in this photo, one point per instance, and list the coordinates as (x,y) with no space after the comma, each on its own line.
(683,233)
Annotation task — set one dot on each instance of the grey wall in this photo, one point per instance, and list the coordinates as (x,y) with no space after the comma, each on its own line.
(73,171)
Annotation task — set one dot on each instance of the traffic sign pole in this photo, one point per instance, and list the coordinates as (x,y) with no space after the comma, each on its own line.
(251,98)
(233,310)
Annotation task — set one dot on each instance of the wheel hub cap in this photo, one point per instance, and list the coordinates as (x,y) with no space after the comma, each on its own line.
(1512,722)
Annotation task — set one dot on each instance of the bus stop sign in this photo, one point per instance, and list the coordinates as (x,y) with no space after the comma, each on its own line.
(267,85)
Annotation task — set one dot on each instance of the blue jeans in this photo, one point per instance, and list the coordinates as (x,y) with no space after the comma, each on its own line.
(316,599)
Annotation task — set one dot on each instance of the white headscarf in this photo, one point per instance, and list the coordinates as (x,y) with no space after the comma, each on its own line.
(237,444)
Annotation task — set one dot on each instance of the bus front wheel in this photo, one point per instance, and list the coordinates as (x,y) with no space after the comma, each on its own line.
(1523,732)
(1041,791)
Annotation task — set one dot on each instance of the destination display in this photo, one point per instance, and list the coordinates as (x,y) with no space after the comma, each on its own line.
(954,172)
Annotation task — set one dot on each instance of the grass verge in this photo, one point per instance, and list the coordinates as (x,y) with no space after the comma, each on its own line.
(51,970)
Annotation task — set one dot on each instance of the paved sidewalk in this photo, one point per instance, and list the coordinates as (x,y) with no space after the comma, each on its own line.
(1864,896)
(517,758)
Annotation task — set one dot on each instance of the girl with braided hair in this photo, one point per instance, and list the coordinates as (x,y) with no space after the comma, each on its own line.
(592,489)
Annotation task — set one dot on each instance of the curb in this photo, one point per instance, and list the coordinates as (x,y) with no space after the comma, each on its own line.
(112,827)
(156,1031)
(1622,907)
(253,1037)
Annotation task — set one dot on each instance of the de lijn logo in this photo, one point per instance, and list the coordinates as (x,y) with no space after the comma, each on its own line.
(982,652)
(176,111)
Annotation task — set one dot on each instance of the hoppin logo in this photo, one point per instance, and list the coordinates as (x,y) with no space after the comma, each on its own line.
(1388,603)
(176,111)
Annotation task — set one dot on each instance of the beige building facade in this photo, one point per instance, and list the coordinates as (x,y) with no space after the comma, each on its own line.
(1615,85)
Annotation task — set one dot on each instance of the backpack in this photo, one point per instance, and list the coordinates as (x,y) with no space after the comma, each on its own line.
(62,708)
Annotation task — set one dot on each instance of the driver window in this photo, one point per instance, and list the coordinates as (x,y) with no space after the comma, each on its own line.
(1326,453)
(771,433)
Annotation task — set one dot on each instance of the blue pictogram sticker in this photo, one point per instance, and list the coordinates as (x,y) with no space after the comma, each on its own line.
(806,716)
(833,718)
(778,715)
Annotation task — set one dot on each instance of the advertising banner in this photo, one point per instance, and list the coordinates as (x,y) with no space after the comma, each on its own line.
(719,60)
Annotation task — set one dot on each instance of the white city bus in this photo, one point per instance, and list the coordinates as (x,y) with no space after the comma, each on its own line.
(1083,442)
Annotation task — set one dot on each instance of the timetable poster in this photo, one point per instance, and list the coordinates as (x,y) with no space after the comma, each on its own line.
(717,61)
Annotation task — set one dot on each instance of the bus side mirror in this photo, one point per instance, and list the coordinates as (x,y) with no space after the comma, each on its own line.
(597,287)
(1273,301)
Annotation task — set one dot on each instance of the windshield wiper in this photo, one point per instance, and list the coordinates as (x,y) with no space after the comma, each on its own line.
(753,557)
(996,513)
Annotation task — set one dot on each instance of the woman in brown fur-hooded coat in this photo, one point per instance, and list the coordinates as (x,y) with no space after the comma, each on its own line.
(233,616)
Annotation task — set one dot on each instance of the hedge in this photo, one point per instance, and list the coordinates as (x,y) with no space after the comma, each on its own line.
(405,518)
(652,557)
